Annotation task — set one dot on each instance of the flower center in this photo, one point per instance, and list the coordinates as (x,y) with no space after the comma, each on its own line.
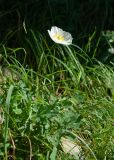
(59,37)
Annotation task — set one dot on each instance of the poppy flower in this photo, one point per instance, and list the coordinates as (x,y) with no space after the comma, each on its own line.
(60,36)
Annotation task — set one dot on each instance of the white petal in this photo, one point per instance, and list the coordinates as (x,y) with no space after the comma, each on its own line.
(54,30)
(52,37)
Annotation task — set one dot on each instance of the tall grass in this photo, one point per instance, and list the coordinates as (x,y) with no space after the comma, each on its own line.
(53,95)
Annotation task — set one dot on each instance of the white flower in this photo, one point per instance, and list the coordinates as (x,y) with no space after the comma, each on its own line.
(60,36)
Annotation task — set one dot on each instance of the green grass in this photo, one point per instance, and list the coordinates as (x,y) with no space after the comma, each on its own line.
(49,92)
(56,97)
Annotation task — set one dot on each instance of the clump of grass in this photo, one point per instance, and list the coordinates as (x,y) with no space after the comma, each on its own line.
(60,98)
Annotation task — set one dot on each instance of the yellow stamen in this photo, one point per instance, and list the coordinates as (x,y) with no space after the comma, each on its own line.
(59,37)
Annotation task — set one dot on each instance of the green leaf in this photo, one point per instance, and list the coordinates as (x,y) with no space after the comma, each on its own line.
(17,111)
(53,154)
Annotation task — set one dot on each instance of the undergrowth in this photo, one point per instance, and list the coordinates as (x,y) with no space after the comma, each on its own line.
(58,97)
